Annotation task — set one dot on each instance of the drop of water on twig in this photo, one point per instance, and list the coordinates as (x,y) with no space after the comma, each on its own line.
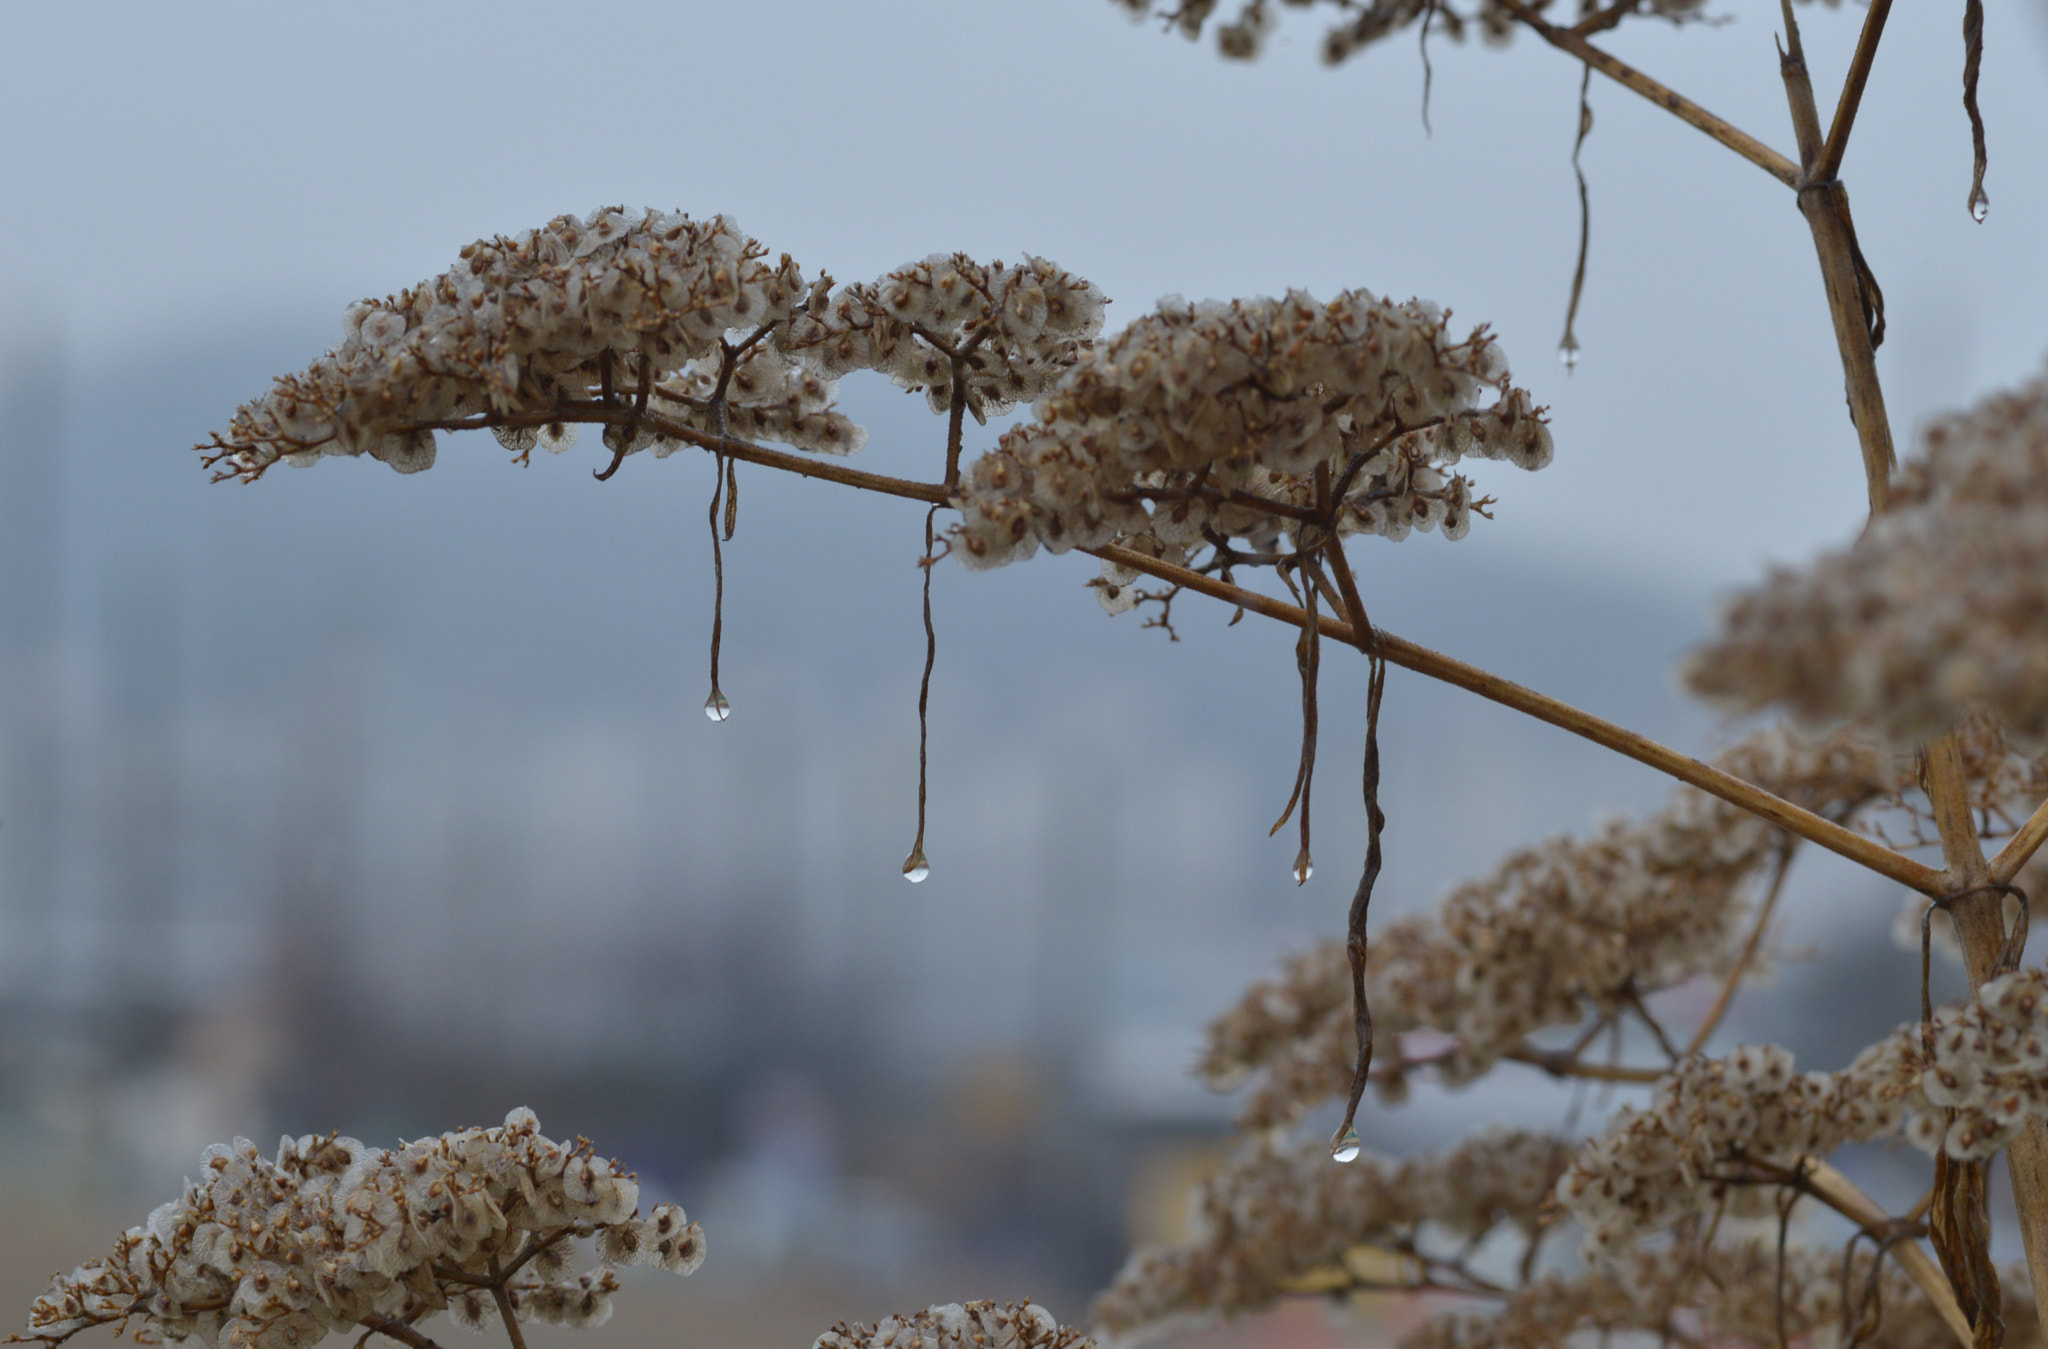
(1344,1147)
(1304,867)
(1568,352)
(915,868)
(1980,206)
(716,707)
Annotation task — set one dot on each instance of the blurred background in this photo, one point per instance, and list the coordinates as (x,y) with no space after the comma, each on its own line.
(386,804)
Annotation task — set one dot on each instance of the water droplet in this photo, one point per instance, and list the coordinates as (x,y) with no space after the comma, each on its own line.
(1568,352)
(1304,867)
(716,707)
(1980,206)
(1344,1147)
(915,868)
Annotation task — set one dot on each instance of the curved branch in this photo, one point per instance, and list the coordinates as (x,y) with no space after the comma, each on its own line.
(1714,781)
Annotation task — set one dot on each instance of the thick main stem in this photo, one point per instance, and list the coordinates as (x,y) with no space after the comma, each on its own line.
(1979,918)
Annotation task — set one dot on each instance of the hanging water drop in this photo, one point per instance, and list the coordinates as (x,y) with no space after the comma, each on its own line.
(915,868)
(1980,206)
(1304,867)
(1344,1147)
(1568,352)
(716,707)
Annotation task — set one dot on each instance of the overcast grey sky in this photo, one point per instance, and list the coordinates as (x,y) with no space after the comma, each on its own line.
(177,172)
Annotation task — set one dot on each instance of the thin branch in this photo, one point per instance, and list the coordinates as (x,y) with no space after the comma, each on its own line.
(1687,111)
(931,493)
(1830,162)
(1748,956)
(1714,781)
(393,1328)
(1561,1064)
(506,1312)
(2020,846)
(1839,1193)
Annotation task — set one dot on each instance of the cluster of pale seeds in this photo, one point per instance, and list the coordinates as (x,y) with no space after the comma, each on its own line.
(1939,608)
(520,326)
(1008,332)
(1278,1211)
(960,1325)
(1576,923)
(263,1253)
(1730,1294)
(1214,411)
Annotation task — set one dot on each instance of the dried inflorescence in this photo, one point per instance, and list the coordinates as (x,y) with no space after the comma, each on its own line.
(1007,332)
(1718,1132)
(1243,37)
(1226,416)
(1280,1211)
(1730,1294)
(572,311)
(266,1253)
(960,1325)
(1940,608)
(1558,930)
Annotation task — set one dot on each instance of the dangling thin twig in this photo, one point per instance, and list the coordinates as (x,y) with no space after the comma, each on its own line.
(915,867)
(1361,899)
(1428,75)
(732,496)
(1308,660)
(1569,347)
(716,706)
(1973,58)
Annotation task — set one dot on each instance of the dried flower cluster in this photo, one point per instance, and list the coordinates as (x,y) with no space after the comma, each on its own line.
(1731,1293)
(1938,609)
(331,1234)
(1698,1143)
(1008,332)
(519,327)
(1280,1211)
(1215,412)
(1243,37)
(968,1325)
(1558,930)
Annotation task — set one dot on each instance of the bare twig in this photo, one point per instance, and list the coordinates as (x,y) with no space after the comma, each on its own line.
(2021,846)
(1687,111)
(1830,162)
(1714,781)
(1839,1193)
(393,1328)
(1707,1027)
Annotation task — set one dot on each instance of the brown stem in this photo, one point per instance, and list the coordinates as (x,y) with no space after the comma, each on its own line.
(2020,847)
(1565,1065)
(1839,1193)
(1687,111)
(506,1311)
(1748,956)
(393,1328)
(1714,781)
(1830,162)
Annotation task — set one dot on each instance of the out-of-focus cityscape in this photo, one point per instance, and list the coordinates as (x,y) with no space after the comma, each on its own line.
(384,804)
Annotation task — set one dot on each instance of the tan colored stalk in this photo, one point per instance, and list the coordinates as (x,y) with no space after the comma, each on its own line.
(1714,781)
(1839,1193)
(1736,139)
(1712,1021)
(2020,847)
(1979,918)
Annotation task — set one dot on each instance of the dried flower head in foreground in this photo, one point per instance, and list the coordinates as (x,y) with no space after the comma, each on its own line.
(1940,608)
(522,326)
(1570,929)
(968,1325)
(331,1235)
(1233,419)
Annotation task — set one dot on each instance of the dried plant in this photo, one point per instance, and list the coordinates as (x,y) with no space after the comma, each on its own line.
(1198,449)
